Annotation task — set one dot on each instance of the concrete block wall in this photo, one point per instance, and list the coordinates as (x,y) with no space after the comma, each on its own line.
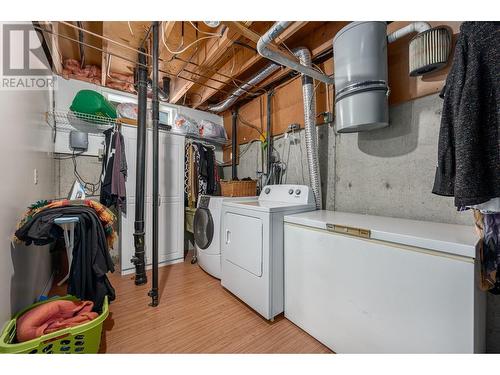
(386,172)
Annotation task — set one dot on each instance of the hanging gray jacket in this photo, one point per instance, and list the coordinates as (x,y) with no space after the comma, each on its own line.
(469,138)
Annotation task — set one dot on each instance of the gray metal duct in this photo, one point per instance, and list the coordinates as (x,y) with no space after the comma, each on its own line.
(259,77)
(278,57)
(310,125)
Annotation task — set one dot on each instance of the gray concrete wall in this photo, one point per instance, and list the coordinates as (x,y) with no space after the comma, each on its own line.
(25,152)
(386,172)
(390,171)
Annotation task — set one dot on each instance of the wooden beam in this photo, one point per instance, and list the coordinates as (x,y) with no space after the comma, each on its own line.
(53,44)
(287,34)
(214,53)
(241,29)
(104,64)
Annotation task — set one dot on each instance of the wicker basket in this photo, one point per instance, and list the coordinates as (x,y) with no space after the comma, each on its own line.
(247,188)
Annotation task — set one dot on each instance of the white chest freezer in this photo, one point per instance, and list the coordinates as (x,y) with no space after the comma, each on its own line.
(368,284)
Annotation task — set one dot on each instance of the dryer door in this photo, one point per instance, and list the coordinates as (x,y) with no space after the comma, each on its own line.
(203,227)
(243,242)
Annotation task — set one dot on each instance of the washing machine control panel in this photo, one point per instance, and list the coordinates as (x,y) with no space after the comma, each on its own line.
(204,201)
(297,194)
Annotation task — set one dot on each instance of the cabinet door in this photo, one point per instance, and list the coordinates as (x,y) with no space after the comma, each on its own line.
(130,141)
(127,249)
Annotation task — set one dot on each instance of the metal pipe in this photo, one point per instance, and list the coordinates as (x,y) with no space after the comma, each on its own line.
(269,138)
(311,135)
(234,143)
(280,58)
(153,293)
(139,256)
(257,78)
(414,27)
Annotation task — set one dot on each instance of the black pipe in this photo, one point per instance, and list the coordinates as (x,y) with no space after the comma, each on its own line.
(234,143)
(153,293)
(142,87)
(269,139)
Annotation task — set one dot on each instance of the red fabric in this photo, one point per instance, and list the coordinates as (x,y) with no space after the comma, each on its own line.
(53,316)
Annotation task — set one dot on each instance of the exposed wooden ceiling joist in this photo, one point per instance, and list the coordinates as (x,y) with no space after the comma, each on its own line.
(205,94)
(53,44)
(214,52)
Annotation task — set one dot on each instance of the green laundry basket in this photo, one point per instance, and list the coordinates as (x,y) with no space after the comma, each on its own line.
(92,103)
(82,339)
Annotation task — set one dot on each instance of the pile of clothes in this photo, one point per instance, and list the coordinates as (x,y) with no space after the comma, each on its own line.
(53,316)
(201,173)
(469,143)
(94,235)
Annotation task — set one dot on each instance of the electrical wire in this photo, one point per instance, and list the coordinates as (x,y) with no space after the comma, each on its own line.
(250,125)
(90,187)
(130,28)
(203,32)
(189,45)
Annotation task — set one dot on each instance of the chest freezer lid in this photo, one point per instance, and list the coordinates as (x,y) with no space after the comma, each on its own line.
(449,238)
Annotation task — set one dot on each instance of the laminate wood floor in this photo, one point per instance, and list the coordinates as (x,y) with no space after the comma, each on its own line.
(195,315)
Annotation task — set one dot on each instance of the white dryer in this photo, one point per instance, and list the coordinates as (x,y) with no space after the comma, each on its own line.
(206,228)
(252,249)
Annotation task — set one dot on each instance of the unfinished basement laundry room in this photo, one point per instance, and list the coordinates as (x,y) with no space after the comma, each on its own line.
(250,185)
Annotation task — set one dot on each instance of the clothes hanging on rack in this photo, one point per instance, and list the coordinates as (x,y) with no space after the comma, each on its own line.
(91,259)
(469,139)
(114,170)
(201,172)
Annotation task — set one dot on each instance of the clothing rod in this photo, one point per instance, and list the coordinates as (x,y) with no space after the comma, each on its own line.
(148,55)
(127,59)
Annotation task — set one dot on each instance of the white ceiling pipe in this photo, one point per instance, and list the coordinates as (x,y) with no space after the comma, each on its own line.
(414,27)
(280,58)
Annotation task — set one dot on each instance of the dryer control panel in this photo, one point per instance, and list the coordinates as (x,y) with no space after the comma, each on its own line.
(297,194)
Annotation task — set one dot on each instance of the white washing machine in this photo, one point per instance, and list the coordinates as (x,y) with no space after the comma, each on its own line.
(252,249)
(206,228)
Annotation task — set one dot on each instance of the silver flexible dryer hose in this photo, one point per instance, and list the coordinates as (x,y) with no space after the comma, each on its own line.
(257,78)
(311,135)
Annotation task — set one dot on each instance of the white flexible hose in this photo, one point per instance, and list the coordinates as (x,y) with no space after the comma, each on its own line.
(414,27)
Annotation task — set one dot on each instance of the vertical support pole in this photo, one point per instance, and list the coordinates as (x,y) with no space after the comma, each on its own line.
(269,138)
(153,293)
(138,258)
(234,144)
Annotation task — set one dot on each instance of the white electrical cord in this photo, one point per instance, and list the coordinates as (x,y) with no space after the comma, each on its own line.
(130,28)
(189,45)
(203,32)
